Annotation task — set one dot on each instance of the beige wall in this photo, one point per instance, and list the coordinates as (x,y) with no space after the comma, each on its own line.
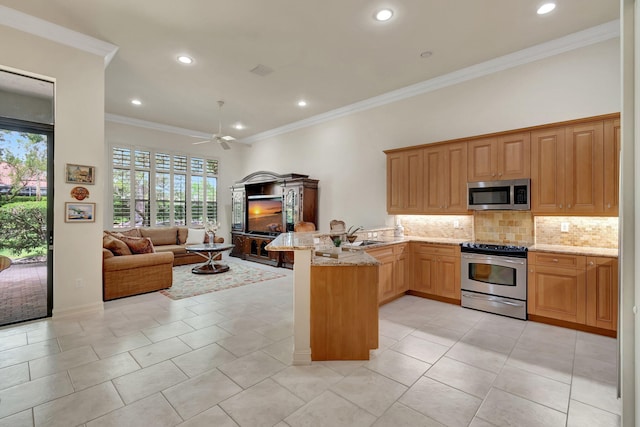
(346,154)
(78,138)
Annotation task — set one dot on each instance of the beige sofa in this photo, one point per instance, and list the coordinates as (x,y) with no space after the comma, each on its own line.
(126,275)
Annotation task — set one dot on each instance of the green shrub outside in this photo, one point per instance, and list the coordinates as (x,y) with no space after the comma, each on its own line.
(23,227)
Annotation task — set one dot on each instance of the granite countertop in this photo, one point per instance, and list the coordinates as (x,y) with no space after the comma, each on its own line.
(346,258)
(575,250)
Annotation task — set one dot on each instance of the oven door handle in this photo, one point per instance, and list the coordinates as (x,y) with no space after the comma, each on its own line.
(489,258)
(492,299)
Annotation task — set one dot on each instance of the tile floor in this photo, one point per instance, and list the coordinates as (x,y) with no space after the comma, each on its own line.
(224,359)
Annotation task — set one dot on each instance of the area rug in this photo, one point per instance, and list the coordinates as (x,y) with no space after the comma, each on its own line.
(186,284)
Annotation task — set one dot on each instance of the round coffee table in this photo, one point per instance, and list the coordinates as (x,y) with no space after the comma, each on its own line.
(209,251)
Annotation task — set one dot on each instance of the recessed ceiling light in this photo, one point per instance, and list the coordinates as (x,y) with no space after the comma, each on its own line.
(302,103)
(426,54)
(383,15)
(136,102)
(546,8)
(184,59)
(238,126)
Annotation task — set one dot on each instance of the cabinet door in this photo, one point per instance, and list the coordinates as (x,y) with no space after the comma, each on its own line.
(547,170)
(514,156)
(425,273)
(557,293)
(448,282)
(394,182)
(385,271)
(602,292)
(404,182)
(584,173)
(401,253)
(611,166)
(434,175)
(483,159)
(455,182)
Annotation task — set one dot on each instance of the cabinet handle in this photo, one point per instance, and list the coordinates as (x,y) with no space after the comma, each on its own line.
(608,205)
(569,206)
(591,263)
(493,174)
(555,260)
(560,205)
(499,173)
(531,271)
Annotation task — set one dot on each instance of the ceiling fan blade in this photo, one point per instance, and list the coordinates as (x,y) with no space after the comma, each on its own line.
(228,138)
(201,142)
(223,143)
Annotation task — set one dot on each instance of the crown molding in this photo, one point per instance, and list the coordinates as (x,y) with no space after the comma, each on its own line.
(567,43)
(56,33)
(155,126)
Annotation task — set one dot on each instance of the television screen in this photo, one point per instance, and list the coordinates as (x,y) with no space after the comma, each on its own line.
(265,215)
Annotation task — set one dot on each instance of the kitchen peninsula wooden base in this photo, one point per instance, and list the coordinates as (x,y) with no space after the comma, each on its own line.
(344,312)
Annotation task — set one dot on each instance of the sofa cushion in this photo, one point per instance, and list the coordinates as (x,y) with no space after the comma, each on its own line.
(133,232)
(135,261)
(117,246)
(182,235)
(139,245)
(176,249)
(161,235)
(196,235)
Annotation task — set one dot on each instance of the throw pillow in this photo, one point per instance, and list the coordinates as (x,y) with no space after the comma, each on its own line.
(117,246)
(195,236)
(139,245)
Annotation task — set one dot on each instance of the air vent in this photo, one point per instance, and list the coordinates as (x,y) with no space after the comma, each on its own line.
(261,70)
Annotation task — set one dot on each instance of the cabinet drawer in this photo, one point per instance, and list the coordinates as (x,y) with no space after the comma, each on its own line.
(445,250)
(558,260)
(381,253)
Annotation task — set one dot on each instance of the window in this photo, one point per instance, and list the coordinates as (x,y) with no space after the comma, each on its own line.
(154,188)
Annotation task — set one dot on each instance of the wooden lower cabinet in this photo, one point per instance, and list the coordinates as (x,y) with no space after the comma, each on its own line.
(392,271)
(436,271)
(602,292)
(344,312)
(574,290)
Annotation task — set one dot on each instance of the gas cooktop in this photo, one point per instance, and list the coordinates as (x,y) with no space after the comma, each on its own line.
(494,249)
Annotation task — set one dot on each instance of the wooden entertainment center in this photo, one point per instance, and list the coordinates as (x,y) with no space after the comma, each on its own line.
(265,204)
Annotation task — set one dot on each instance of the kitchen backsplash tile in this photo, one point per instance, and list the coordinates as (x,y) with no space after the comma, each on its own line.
(438,226)
(598,232)
(504,227)
(515,228)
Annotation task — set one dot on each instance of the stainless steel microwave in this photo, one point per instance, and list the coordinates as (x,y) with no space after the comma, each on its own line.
(500,195)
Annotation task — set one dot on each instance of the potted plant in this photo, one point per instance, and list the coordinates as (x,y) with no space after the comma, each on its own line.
(351,233)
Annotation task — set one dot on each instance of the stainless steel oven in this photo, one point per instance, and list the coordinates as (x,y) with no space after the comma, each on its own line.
(494,278)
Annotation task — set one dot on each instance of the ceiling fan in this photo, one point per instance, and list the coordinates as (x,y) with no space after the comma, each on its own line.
(219,137)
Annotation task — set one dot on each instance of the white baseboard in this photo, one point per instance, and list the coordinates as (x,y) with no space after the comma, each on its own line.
(302,357)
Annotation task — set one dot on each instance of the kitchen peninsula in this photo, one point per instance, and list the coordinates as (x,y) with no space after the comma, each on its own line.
(335,311)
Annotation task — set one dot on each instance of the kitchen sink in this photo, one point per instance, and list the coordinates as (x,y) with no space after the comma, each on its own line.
(370,242)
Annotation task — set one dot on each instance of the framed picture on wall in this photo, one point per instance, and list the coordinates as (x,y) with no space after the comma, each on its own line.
(80,174)
(79,212)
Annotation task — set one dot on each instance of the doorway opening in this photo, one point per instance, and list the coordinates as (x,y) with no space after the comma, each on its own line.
(25,291)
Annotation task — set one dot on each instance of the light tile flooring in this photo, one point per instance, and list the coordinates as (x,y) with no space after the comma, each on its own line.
(224,359)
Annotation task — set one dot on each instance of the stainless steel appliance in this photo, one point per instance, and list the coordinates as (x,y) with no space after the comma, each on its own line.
(494,278)
(512,194)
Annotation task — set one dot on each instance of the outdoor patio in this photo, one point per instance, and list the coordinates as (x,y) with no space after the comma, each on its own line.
(23,292)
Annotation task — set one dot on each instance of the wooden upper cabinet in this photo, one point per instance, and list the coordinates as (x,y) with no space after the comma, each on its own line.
(498,158)
(611,166)
(584,168)
(568,170)
(547,170)
(404,182)
(445,179)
